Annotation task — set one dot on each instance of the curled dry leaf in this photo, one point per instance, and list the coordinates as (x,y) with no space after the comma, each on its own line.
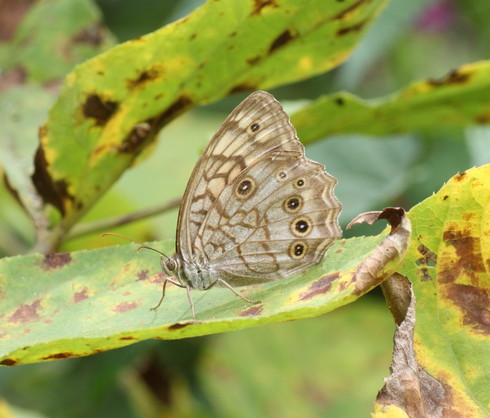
(396,290)
(392,248)
(409,387)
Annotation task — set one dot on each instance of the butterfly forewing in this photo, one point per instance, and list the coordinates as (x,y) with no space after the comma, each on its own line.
(256,126)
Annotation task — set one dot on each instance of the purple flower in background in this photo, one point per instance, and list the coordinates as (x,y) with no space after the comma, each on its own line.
(437,17)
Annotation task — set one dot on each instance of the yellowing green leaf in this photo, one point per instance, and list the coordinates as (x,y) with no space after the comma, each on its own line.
(80,303)
(111,107)
(459,99)
(448,263)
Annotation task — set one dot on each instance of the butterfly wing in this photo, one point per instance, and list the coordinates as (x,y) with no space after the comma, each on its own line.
(283,225)
(256,127)
(255,206)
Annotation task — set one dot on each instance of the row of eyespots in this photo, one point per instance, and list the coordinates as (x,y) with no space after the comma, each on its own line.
(282,175)
(247,187)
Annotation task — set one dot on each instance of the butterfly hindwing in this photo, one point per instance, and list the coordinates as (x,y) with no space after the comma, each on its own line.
(284,224)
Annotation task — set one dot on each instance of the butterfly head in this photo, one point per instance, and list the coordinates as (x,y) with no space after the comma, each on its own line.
(171,266)
(193,274)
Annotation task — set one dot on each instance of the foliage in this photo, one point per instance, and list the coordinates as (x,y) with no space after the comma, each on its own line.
(107,117)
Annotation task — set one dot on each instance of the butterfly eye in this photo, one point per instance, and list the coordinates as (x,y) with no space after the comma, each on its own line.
(293,204)
(254,127)
(298,249)
(302,226)
(245,188)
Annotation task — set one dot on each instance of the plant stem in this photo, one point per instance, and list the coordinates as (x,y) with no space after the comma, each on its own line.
(110,223)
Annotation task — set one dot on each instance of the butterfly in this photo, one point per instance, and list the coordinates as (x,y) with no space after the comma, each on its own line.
(255,208)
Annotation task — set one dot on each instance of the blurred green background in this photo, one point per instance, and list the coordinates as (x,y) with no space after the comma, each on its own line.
(328,366)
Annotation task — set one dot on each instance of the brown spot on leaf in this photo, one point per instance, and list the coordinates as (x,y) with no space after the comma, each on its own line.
(52,192)
(136,139)
(283,39)
(253,60)
(320,286)
(460,176)
(469,260)
(428,256)
(424,274)
(474,303)
(182,103)
(57,260)
(79,296)
(9,362)
(146,75)
(142,275)
(128,338)
(258,5)
(241,88)
(125,307)
(252,311)
(348,10)
(454,77)
(100,110)
(353,28)
(180,325)
(27,312)
(59,356)
(445,197)
(182,20)
(340,101)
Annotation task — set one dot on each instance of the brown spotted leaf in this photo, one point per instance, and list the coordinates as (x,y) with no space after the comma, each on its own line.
(112,106)
(459,99)
(67,305)
(440,364)
(52,38)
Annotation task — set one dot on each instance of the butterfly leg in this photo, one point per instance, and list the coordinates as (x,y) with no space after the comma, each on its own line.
(188,289)
(235,292)
(165,280)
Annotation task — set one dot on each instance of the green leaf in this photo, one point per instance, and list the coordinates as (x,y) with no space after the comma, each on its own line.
(448,263)
(111,107)
(75,304)
(22,110)
(53,37)
(459,99)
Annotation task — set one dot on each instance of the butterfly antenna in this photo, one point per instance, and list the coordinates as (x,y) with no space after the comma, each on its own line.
(137,242)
